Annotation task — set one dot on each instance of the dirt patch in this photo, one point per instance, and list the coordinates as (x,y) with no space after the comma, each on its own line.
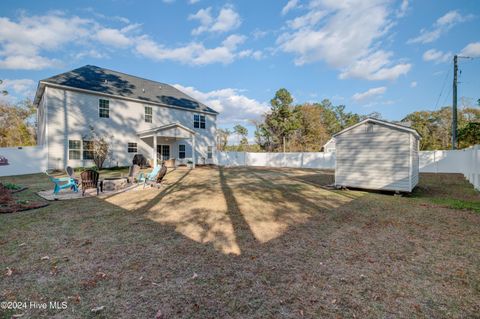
(10,204)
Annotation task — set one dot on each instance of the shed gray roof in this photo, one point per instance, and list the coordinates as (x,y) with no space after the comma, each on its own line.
(93,78)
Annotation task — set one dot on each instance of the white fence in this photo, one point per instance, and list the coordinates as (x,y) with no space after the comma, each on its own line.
(23,160)
(298,160)
(466,162)
(33,159)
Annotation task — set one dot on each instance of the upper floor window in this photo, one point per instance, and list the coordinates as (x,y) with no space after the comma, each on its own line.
(198,121)
(104,108)
(181,151)
(132,147)
(148,114)
(74,149)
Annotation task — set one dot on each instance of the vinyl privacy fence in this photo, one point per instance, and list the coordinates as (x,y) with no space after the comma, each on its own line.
(466,161)
(23,160)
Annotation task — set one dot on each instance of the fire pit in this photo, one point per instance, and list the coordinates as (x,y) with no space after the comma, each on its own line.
(114,184)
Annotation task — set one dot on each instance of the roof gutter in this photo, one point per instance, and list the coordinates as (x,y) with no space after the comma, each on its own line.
(64,87)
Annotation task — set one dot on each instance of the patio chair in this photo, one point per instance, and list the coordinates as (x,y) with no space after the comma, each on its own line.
(71,173)
(152,177)
(62,183)
(89,180)
(133,173)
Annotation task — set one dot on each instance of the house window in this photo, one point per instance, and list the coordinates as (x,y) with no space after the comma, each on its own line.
(209,152)
(148,114)
(132,147)
(74,149)
(369,128)
(198,121)
(87,150)
(181,151)
(104,108)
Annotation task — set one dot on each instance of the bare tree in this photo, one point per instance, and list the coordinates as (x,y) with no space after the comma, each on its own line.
(99,146)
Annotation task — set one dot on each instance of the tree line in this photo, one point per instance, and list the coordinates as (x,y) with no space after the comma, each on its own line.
(285,127)
(307,127)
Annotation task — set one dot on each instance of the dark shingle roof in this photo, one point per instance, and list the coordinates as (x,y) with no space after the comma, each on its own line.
(106,81)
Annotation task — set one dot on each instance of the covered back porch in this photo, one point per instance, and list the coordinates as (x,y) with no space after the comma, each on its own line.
(172,144)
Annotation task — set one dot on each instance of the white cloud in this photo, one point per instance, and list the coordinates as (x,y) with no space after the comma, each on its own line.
(436,56)
(193,1)
(22,42)
(18,86)
(228,19)
(113,37)
(376,66)
(29,42)
(367,95)
(193,53)
(257,55)
(471,50)
(233,106)
(403,8)
(311,18)
(344,34)
(441,26)
(94,54)
(18,89)
(413,84)
(291,4)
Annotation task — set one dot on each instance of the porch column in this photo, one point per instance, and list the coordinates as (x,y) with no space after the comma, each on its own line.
(155,150)
(193,150)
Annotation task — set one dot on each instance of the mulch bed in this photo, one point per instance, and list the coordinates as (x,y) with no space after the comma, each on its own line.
(8,204)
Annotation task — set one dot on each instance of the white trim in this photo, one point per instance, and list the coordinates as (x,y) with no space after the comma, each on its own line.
(410,170)
(397,126)
(154,131)
(47,84)
(46,125)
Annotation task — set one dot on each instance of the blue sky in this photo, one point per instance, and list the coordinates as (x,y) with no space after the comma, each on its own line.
(393,57)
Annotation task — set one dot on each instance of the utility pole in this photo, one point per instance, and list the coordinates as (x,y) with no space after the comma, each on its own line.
(454,104)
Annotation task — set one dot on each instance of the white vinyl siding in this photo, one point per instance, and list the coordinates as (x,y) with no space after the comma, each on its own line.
(374,156)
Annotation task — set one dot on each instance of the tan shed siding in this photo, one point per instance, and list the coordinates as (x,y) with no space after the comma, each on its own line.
(415,162)
(377,160)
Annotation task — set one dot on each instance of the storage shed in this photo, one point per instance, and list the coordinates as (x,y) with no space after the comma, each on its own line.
(379,155)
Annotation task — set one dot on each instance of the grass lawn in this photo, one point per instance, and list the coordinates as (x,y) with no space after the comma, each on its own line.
(247,243)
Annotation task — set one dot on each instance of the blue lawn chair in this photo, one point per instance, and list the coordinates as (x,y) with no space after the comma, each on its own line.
(63,183)
(144,178)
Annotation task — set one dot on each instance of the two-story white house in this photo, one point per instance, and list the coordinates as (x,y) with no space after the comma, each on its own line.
(138,116)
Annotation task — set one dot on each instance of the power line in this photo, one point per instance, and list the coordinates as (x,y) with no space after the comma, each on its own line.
(443,86)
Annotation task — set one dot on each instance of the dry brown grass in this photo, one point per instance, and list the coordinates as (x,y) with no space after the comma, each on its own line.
(244,242)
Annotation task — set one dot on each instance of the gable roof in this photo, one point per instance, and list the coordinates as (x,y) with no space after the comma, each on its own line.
(96,79)
(381,122)
(164,127)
